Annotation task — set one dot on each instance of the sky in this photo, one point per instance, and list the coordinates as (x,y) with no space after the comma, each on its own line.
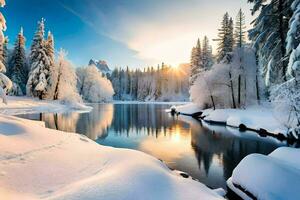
(134,33)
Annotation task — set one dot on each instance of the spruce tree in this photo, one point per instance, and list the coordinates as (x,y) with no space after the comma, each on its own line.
(225,37)
(293,41)
(18,71)
(269,36)
(207,58)
(53,71)
(40,83)
(240,29)
(4,53)
(196,62)
(5,82)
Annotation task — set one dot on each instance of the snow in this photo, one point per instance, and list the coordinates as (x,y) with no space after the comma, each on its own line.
(276,176)
(254,117)
(24,105)
(36,162)
(188,108)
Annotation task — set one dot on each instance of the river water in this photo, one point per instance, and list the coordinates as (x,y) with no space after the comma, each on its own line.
(208,153)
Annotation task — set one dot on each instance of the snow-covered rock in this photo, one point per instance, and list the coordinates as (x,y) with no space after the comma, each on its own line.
(36,163)
(276,176)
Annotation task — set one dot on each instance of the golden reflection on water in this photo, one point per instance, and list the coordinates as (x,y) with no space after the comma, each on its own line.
(171,144)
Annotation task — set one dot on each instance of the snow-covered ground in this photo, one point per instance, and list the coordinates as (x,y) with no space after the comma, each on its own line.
(36,162)
(255,117)
(276,176)
(23,105)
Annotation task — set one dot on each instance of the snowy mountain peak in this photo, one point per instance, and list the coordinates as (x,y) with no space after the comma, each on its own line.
(101,65)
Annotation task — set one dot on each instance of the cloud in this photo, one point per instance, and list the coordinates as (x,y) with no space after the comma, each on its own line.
(158,31)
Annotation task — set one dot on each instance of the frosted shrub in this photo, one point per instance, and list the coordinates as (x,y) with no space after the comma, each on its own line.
(92,86)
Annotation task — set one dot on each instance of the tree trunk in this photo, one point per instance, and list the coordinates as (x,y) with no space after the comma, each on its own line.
(239,91)
(245,92)
(257,89)
(213,102)
(56,87)
(232,91)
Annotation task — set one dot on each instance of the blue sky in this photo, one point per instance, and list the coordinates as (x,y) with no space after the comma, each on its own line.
(136,33)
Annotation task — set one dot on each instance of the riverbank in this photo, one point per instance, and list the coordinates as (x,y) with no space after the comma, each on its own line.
(36,162)
(28,105)
(260,119)
(276,176)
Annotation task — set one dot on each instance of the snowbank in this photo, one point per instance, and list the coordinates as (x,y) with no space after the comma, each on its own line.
(23,105)
(188,109)
(254,118)
(276,176)
(36,163)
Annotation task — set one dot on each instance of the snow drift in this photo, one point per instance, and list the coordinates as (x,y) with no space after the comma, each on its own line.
(36,163)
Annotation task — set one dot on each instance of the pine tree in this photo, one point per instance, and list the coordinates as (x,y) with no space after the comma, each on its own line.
(53,71)
(41,77)
(293,40)
(240,29)
(5,82)
(207,58)
(269,35)
(196,62)
(4,52)
(225,37)
(18,71)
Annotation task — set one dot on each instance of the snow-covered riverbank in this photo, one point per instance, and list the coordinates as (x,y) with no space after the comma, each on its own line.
(36,163)
(25,105)
(276,176)
(255,118)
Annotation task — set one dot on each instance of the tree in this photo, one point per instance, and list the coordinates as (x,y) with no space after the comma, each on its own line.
(18,71)
(5,82)
(207,58)
(225,37)
(293,39)
(4,52)
(42,78)
(269,40)
(240,30)
(218,84)
(66,84)
(196,62)
(93,86)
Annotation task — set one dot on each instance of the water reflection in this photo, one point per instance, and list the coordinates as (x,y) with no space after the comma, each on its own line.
(208,153)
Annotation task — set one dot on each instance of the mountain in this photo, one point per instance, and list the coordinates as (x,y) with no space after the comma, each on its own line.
(101,65)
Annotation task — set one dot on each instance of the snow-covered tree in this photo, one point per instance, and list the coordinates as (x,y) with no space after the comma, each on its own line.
(92,86)
(66,84)
(196,62)
(269,37)
(18,71)
(5,82)
(286,99)
(225,37)
(240,29)
(207,57)
(293,39)
(42,74)
(217,87)
(4,53)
